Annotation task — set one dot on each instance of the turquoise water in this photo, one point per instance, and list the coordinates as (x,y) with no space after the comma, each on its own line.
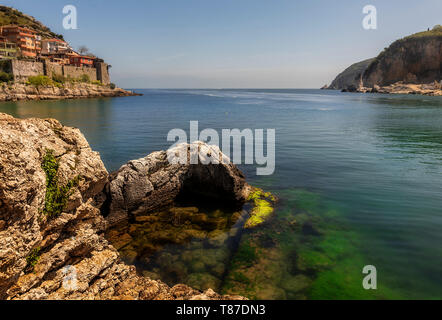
(364,170)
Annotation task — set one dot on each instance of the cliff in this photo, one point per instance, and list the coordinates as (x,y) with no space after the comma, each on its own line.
(350,77)
(20,91)
(413,59)
(51,229)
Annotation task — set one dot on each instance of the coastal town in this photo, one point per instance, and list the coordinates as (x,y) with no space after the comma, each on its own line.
(25,43)
(38,64)
(25,53)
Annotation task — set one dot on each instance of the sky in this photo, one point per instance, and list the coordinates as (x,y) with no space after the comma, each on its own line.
(232,43)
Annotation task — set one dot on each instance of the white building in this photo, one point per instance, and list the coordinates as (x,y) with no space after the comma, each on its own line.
(50,46)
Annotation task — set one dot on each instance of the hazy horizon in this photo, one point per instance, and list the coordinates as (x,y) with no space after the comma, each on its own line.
(229,44)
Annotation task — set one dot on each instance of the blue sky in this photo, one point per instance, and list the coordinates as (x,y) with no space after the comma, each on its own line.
(232,43)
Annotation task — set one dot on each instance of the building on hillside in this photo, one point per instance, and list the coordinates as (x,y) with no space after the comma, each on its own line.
(7,49)
(26,40)
(82,61)
(51,46)
(62,57)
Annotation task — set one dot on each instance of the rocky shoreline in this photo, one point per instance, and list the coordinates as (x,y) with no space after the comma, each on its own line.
(21,91)
(57,201)
(431,89)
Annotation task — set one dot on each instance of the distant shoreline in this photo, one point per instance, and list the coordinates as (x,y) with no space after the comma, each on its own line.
(430,89)
(26,92)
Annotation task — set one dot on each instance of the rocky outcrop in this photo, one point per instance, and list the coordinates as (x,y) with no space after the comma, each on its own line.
(413,60)
(431,89)
(20,91)
(51,231)
(350,77)
(416,59)
(149,183)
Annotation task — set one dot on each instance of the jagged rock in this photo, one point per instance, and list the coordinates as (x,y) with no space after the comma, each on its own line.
(63,256)
(149,183)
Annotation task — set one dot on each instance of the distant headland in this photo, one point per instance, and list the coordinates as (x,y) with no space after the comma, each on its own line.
(412,65)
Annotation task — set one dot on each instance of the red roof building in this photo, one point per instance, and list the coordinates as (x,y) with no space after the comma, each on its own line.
(82,61)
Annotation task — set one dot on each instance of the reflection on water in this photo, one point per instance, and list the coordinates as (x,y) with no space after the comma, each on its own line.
(358,177)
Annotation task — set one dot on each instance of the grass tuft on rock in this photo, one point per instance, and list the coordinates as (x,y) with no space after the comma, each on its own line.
(56,196)
(32,259)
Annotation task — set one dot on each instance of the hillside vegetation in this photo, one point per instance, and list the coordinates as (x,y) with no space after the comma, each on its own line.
(12,16)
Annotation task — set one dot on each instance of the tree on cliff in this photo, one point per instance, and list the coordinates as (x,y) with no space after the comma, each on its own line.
(83,50)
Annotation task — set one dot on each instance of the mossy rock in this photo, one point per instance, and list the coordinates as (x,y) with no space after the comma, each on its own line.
(128,255)
(313,260)
(295,284)
(262,207)
(217,238)
(197,266)
(121,241)
(203,281)
(269,291)
(151,275)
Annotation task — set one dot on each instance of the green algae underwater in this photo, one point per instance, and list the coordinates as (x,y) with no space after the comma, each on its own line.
(304,252)
(298,248)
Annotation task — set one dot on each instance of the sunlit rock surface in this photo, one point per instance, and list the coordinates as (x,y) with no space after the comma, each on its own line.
(63,255)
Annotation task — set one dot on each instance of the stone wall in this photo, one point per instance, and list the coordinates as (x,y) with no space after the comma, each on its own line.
(22,70)
(102,72)
(76,72)
(51,69)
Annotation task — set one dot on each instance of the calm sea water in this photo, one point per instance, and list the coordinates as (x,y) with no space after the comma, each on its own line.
(366,168)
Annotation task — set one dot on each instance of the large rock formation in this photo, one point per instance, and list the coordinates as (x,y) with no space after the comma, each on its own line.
(149,183)
(350,77)
(20,91)
(51,232)
(414,59)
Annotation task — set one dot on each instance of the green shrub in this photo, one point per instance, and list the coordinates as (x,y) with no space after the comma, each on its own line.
(56,196)
(32,259)
(97,82)
(85,78)
(112,86)
(6,77)
(58,78)
(40,80)
(6,66)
